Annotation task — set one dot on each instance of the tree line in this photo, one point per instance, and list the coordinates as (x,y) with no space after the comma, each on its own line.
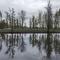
(40,21)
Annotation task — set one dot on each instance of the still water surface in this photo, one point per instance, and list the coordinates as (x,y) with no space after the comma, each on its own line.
(25,47)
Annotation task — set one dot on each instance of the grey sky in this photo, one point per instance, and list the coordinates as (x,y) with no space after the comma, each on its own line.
(31,6)
(28,5)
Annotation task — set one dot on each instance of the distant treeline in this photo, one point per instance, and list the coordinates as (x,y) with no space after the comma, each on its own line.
(40,21)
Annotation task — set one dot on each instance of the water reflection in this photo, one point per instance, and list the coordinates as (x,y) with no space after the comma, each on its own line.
(13,41)
(22,44)
(57,44)
(10,43)
(0,44)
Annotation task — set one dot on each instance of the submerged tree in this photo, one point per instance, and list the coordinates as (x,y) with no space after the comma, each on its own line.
(49,35)
(22,15)
(45,17)
(33,21)
(0,16)
(2,24)
(7,18)
(39,19)
(11,17)
(30,23)
(56,20)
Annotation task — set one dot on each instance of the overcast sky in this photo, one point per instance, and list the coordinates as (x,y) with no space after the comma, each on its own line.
(28,5)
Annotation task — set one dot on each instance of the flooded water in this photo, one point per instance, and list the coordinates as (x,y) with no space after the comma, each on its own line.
(28,46)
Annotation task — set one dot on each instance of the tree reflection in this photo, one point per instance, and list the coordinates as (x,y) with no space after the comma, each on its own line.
(0,44)
(10,48)
(57,44)
(42,42)
(30,39)
(39,41)
(3,36)
(48,45)
(14,41)
(22,46)
(33,39)
(6,40)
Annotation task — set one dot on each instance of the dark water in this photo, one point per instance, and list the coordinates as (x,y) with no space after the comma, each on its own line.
(28,46)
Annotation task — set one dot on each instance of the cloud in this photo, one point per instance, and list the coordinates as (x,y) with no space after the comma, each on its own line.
(22,4)
(31,6)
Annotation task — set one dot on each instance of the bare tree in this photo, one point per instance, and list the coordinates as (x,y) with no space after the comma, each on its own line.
(49,35)
(1,15)
(22,15)
(39,19)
